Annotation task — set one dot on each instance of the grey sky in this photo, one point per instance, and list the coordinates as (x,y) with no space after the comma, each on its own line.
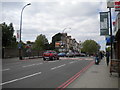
(49,18)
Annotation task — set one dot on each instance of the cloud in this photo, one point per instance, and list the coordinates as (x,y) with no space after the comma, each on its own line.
(49,18)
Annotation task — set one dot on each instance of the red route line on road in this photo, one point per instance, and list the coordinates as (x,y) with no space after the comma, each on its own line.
(69,81)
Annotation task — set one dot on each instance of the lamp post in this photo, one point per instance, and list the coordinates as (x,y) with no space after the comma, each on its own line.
(63,37)
(111,33)
(65,29)
(110,5)
(20,42)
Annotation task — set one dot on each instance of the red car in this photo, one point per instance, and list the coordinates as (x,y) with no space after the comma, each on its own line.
(50,55)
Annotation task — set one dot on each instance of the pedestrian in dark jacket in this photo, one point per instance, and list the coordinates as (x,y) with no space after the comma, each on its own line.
(107,58)
(97,59)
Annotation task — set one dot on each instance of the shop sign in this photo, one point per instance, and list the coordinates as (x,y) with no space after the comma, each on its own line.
(117,6)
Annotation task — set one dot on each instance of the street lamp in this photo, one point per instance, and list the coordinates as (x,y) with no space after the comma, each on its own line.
(111,33)
(110,5)
(65,29)
(20,42)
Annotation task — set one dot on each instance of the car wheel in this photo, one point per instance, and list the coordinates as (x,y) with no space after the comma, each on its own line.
(44,59)
(54,58)
(58,58)
(51,58)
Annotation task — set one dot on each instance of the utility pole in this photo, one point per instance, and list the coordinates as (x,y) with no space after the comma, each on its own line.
(111,38)
(20,42)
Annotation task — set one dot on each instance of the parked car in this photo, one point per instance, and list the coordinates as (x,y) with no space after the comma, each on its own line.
(76,54)
(82,54)
(70,54)
(50,55)
(62,54)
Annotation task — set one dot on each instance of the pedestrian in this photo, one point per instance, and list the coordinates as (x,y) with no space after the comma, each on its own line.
(97,59)
(107,58)
(101,55)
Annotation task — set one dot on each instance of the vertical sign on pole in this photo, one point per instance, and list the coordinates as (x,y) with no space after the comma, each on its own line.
(18,38)
(18,35)
(104,23)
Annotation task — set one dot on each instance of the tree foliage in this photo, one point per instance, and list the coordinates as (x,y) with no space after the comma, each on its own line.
(29,42)
(90,47)
(8,38)
(41,42)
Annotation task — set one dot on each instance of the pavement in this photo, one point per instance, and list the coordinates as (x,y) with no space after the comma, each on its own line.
(97,76)
(16,59)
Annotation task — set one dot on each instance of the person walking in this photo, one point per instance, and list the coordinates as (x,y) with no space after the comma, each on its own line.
(107,58)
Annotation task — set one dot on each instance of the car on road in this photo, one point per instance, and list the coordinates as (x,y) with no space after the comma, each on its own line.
(50,55)
(76,54)
(70,54)
(82,55)
(62,54)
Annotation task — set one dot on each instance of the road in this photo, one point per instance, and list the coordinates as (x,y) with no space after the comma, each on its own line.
(37,73)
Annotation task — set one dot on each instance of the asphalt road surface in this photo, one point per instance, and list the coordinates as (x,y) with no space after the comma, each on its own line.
(36,73)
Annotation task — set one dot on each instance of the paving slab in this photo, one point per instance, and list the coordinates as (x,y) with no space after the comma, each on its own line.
(97,76)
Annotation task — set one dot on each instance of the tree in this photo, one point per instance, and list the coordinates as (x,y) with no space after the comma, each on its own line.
(8,38)
(28,42)
(90,47)
(40,42)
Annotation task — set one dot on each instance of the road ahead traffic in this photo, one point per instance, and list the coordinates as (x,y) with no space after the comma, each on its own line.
(37,73)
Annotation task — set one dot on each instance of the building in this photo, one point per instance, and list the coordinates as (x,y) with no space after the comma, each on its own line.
(116,41)
(67,44)
(117,37)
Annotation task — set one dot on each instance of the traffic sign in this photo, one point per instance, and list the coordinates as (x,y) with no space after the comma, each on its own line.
(19,45)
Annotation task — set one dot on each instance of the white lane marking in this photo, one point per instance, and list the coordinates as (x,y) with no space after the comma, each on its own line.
(39,63)
(5,69)
(29,65)
(58,67)
(72,58)
(71,62)
(52,61)
(32,65)
(20,78)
